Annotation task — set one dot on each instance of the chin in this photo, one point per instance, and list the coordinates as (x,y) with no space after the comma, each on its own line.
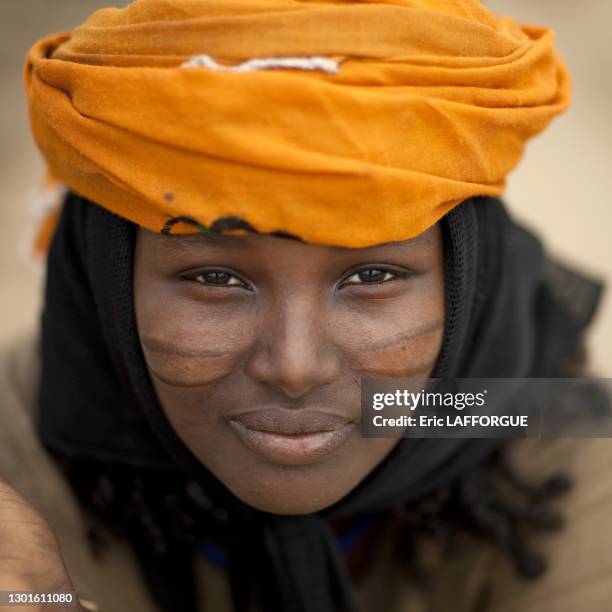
(291,502)
(284,483)
(291,490)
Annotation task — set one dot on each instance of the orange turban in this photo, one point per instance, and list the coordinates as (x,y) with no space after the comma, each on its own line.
(371,120)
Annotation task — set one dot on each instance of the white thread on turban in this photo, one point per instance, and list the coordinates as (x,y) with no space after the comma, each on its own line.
(264,63)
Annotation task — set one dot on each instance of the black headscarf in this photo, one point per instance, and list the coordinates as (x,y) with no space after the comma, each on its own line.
(510,312)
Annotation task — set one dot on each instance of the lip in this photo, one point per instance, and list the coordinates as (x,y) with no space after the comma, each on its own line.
(291,437)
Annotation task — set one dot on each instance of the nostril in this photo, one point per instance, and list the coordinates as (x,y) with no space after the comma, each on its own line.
(294,372)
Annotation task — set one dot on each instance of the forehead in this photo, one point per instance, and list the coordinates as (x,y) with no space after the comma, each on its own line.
(250,243)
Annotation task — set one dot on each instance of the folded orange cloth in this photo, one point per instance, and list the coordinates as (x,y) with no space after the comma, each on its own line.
(431,102)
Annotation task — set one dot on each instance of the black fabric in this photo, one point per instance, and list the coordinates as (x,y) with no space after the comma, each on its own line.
(506,316)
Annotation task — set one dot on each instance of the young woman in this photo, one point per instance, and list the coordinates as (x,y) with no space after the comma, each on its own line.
(265,208)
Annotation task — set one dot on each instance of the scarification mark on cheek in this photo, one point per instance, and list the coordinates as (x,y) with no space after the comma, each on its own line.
(405,355)
(189,382)
(156,345)
(425,330)
(182,366)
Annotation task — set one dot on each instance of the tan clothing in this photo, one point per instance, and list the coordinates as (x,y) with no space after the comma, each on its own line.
(579,576)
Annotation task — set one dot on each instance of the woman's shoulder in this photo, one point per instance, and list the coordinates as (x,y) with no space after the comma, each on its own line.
(578,572)
(112,581)
(579,575)
(475,574)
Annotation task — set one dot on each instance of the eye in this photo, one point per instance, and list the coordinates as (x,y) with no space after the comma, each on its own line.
(216,278)
(373,276)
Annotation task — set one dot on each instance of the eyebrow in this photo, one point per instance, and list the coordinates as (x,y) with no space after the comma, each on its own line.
(183,243)
(425,237)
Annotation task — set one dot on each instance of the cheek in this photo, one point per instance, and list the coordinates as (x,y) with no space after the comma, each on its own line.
(402,357)
(187,343)
(192,412)
(401,338)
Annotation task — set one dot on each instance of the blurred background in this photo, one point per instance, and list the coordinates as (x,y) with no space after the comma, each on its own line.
(561,187)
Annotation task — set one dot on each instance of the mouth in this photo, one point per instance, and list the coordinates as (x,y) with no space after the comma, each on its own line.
(291,437)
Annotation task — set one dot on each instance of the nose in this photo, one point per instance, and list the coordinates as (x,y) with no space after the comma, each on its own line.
(293,352)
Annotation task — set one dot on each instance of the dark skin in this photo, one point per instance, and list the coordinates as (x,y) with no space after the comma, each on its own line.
(228,323)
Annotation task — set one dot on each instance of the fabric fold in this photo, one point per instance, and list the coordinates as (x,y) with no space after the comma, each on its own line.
(432,104)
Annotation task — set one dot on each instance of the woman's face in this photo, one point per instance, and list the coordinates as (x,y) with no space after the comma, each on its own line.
(256,346)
